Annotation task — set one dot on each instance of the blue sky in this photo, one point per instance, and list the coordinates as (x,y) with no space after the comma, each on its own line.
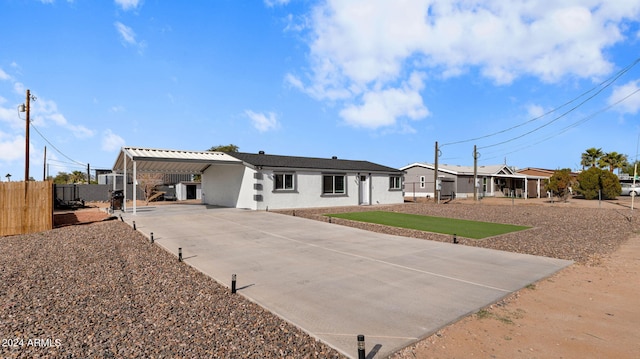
(370,80)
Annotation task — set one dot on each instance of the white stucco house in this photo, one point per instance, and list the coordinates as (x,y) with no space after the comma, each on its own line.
(261,181)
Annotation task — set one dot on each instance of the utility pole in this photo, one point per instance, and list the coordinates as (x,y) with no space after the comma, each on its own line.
(475,173)
(88,174)
(44,165)
(26,147)
(435,175)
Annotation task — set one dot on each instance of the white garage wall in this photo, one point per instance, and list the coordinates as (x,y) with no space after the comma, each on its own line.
(222,185)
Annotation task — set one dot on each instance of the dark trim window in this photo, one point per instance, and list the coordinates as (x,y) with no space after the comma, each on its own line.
(283,182)
(395,182)
(334,184)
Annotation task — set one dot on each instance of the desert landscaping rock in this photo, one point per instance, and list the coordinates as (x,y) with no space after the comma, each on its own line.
(102,290)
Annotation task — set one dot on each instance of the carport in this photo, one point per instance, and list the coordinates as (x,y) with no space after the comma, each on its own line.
(147,160)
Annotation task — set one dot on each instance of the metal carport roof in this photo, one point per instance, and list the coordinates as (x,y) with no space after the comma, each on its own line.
(169,161)
(137,159)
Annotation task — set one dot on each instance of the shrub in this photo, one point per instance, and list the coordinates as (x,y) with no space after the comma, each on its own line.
(559,183)
(593,180)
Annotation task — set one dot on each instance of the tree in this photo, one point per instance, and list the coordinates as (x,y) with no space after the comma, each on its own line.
(590,157)
(595,181)
(78,177)
(630,168)
(62,178)
(224,148)
(560,184)
(148,182)
(613,161)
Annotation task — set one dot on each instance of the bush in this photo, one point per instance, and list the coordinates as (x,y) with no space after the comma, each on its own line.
(593,180)
(559,184)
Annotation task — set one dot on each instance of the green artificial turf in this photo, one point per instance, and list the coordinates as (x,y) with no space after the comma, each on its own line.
(460,227)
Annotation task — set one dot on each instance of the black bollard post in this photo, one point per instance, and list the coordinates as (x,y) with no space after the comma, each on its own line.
(294,212)
(151,237)
(134,225)
(233,283)
(455,239)
(121,219)
(361,352)
(180,254)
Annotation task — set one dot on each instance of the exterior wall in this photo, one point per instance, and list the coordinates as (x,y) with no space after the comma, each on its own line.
(244,187)
(222,185)
(90,192)
(412,182)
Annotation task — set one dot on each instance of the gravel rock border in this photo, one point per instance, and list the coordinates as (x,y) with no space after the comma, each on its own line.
(102,290)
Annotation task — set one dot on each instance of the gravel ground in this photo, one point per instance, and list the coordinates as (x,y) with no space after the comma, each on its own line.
(102,290)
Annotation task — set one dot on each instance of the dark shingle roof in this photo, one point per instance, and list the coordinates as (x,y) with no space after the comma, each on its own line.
(265,160)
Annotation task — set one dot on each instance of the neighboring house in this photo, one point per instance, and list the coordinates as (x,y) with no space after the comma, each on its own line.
(458,181)
(537,180)
(261,181)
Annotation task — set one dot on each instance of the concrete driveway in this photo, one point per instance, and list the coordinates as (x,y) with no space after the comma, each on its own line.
(336,282)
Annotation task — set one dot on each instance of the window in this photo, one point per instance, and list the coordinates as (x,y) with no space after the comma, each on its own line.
(422,181)
(333,184)
(283,182)
(395,182)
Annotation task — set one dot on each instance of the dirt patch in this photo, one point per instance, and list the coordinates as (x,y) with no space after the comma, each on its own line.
(80,216)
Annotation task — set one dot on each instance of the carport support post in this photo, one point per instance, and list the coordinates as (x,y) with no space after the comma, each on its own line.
(361,350)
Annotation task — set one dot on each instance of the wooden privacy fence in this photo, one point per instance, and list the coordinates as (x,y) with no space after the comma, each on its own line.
(25,207)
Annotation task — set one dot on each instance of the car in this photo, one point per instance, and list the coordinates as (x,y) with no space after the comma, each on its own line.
(629,190)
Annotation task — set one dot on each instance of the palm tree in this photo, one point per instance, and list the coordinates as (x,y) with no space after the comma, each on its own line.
(77,177)
(613,161)
(591,156)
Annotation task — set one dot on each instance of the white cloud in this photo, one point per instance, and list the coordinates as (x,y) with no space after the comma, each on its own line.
(11,147)
(45,112)
(127,33)
(263,121)
(118,108)
(127,4)
(628,97)
(272,3)
(383,108)
(4,75)
(535,111)
(111,142)
(362,49)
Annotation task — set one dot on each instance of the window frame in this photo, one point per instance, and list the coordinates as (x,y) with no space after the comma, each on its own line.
(395,183)
(285,189)
(333,193)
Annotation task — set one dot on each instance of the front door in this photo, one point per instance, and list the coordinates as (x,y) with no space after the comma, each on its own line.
(364,190)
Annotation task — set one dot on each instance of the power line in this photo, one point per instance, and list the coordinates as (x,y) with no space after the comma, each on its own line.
(574,124)
(601,87)
(55,148)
